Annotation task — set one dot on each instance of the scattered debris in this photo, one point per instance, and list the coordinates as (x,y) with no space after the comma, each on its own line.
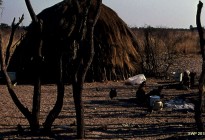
(179,104)
(137,79)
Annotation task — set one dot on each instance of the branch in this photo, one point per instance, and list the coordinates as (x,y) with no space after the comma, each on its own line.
(200,29)
(31,11)
(88,56)
(77,6)
(97,12)
(84,19)
(12,93)
(14,27)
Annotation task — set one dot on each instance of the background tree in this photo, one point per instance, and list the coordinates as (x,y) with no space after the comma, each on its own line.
(159,50)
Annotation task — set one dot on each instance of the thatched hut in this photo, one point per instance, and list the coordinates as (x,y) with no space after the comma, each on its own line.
(116,50)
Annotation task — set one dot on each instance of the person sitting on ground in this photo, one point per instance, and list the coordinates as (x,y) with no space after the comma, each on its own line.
(186,80)
(141,93)
(192,79)
(154,92)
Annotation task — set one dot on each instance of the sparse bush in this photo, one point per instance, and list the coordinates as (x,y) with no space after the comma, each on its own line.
(159,49)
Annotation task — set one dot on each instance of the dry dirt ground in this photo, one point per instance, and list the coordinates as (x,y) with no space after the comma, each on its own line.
(120,118)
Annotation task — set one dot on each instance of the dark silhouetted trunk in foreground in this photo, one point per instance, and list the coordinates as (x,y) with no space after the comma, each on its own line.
(199,106)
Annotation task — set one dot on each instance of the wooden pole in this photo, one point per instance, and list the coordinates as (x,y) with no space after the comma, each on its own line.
(199,106)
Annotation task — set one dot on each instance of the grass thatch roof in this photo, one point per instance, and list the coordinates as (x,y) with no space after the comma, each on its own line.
(116,49)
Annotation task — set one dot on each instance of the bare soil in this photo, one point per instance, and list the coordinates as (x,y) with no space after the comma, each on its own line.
(120,118)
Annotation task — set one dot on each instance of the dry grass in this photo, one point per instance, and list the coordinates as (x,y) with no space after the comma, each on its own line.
(189,45)
(6,36)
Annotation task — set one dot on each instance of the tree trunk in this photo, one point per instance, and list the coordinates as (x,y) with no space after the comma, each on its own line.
(77,95)
(83,62)
(199,106)
(36,103)
(59,102)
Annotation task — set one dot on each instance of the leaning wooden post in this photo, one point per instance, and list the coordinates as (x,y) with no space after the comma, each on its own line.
(199,106)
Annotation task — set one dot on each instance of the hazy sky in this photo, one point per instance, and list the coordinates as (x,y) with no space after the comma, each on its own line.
(156,13)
